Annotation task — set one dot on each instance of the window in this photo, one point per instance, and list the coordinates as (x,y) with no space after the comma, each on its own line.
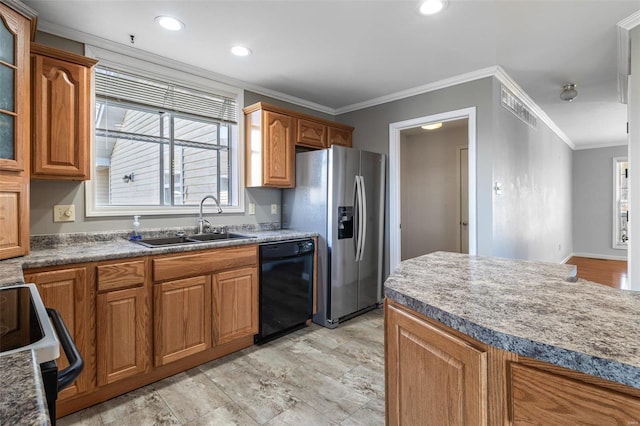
(159,147)
(620,203)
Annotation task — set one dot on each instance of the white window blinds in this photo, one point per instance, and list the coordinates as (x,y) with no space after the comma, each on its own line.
(126,87)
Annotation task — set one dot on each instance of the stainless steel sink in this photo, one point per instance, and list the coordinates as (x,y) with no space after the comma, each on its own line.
(185,240)
(164,242)
(215,237)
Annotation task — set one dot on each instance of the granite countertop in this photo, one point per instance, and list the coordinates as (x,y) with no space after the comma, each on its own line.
(23,396)
(528,308)
(23,401)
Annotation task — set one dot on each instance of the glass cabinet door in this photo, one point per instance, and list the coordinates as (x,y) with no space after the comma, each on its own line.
(10,105)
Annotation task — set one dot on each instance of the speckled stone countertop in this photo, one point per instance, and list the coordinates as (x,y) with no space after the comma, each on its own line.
(19,375)
(528,308)
(22,401)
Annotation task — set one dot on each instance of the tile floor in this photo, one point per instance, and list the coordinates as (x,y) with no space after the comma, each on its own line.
(314,376)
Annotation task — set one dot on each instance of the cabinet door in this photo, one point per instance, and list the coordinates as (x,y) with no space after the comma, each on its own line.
(339,137)
(433,377)
(14,89)
(122,320)
(543,398)
(14,219)
(61,118)
(235,304)
(67,291)
(279,150)
(182,318)
(311,134)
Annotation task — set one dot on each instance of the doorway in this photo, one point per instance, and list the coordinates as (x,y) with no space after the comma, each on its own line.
(396,187)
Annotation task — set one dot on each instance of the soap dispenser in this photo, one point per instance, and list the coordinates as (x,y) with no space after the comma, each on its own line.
(136,224)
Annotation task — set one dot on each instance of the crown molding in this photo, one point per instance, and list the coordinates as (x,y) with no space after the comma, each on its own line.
(123,49)
(437,85)
(600,145)
(493,71)
(22,8)
(510,83)
(624,53)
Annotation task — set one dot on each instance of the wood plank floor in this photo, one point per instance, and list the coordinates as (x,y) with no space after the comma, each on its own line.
(608,272)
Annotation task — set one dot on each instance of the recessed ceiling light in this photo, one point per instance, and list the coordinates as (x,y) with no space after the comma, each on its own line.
(431,7)
(432,126)
(241,51)
(169,23)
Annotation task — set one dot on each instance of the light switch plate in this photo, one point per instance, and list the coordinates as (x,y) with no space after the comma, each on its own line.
(252,208)
(64,213)
(274,209)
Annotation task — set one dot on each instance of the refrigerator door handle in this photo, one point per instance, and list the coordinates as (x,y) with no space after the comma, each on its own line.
(358,216)
(363,216)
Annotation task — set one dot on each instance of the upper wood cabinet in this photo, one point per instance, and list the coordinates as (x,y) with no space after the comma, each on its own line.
(61,137)
(270,153)
(311,133)
(340,136)
(272,134)
(15,29)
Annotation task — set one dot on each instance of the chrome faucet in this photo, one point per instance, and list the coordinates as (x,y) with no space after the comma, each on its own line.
(201,221)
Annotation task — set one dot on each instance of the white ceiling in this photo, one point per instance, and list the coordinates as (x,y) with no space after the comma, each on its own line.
(337,54)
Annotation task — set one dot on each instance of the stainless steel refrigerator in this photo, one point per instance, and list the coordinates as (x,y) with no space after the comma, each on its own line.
(339,194)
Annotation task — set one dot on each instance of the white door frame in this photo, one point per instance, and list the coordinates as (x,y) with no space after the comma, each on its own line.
(394,177)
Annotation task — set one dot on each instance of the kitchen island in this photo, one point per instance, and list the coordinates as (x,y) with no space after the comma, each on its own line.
(481,340)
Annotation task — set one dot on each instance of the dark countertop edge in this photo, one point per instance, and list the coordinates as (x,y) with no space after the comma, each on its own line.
(23,410)
(588,364)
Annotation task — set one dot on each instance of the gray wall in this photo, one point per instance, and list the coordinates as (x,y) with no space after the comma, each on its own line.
(593,202)
(372,133)
(532,217)
(430,190)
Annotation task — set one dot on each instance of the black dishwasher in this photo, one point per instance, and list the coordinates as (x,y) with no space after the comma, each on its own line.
(286,283)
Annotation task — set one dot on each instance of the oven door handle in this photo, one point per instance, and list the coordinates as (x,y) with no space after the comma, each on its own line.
(71,373)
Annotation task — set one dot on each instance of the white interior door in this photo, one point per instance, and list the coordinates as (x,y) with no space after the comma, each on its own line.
(463,155)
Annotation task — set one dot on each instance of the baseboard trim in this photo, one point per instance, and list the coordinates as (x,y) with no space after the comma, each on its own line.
(596,256)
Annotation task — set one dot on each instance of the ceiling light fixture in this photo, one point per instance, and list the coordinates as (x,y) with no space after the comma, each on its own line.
(432,126)
(569,92)
(431,7)
(169,23)
(241,51)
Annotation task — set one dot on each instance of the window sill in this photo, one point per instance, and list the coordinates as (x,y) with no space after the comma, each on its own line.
(156,211)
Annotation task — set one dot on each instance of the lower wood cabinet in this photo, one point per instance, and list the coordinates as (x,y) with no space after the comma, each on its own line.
(71,292)
(123,348)
(438,376)
(182,318)
(235,304)
(433,378)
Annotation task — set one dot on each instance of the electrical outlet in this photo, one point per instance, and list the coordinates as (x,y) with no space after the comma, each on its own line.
(274,209)
(64,213)
(252,208)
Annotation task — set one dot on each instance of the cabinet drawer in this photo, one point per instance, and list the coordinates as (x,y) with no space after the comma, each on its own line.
(168,268)
(120,275)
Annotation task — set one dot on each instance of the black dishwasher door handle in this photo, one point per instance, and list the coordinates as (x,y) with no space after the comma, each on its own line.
(71,373)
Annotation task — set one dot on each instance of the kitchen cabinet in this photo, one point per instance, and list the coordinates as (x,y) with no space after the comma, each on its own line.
(61,138)
(448,373)
(182,318)
(15,30)
(123,321)
(436,375)
(339,136)
(311,134)
(272,135)
(71,292)
(270,153)
(187,318)
(235,304)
